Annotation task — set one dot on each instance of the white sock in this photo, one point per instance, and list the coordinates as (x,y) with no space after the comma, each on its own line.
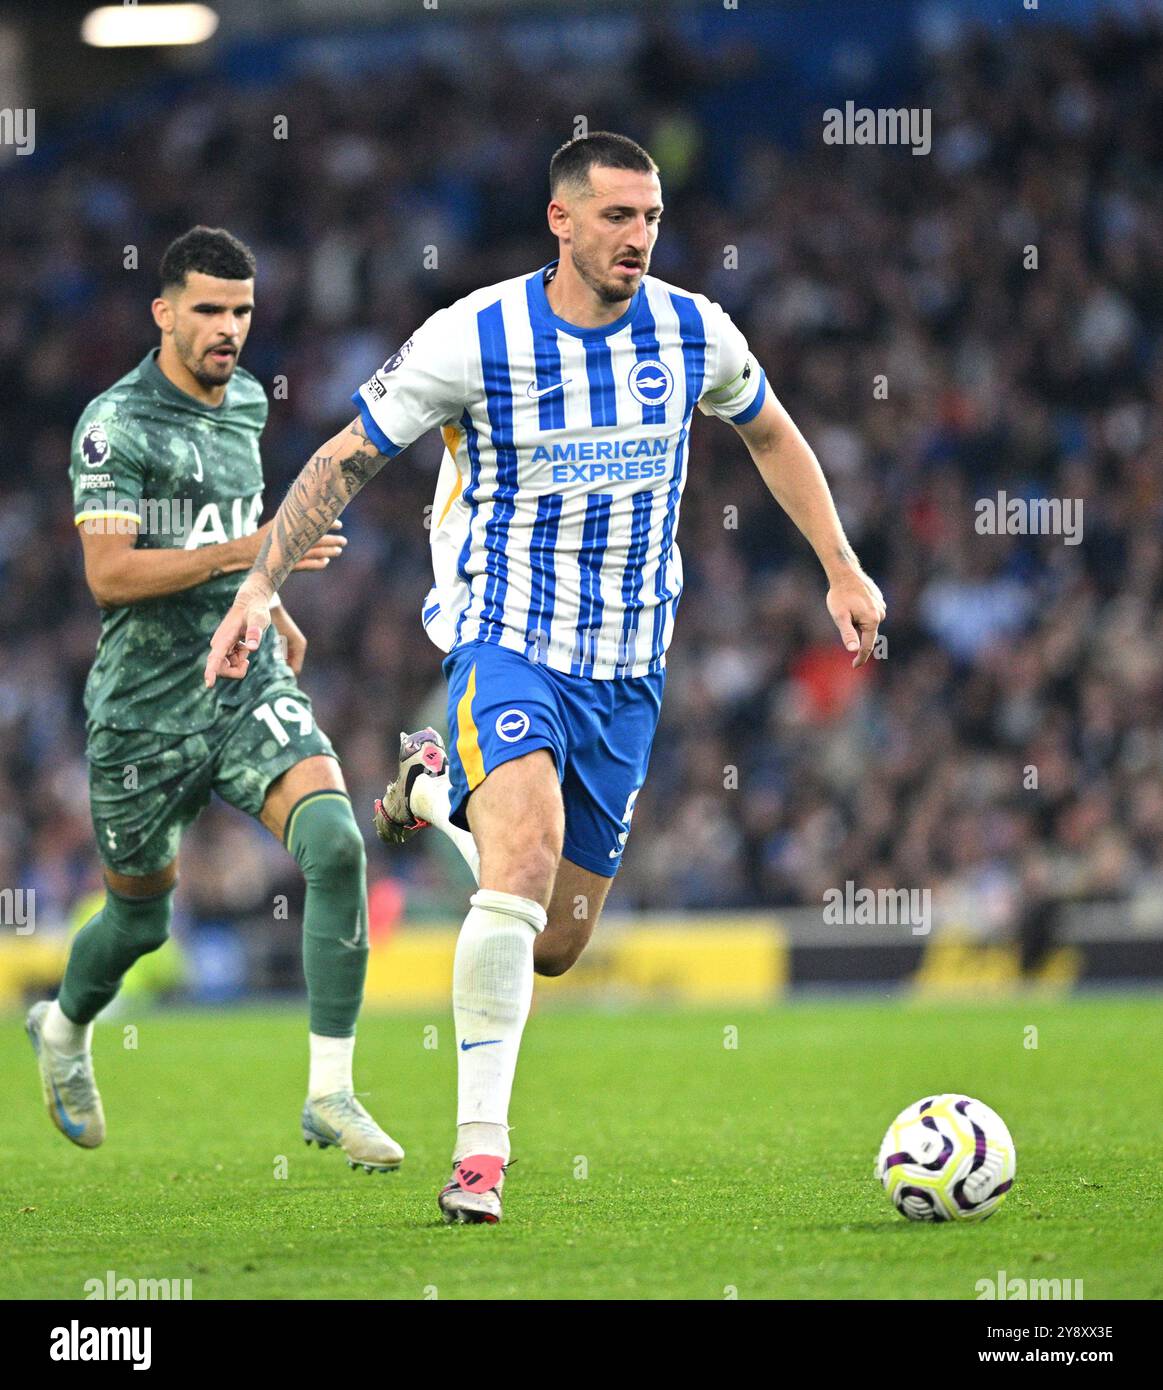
(429,799)
(478,1138)
(330,1065)
(492,988)
(62,1033)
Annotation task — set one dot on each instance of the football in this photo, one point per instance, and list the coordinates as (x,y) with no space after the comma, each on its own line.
(947,1158)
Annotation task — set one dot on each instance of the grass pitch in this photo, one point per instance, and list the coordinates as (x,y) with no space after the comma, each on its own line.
(655,1162)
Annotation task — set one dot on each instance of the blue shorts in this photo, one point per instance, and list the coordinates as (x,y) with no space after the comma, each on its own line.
(501,705)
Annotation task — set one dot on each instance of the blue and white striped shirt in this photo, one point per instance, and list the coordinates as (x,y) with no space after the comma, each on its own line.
(553,527)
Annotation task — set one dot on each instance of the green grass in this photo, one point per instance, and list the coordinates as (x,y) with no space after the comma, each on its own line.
(708,1167)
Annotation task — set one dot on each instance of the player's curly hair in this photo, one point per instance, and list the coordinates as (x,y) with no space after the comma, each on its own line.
(571,164)
(210,250)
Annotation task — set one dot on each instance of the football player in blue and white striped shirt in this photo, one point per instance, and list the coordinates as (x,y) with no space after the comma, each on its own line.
(565,400)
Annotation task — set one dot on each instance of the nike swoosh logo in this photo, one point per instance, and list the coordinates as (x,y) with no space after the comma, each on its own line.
(72,1129)
(356,942)
(535,395)
(467,1046)
(198,461)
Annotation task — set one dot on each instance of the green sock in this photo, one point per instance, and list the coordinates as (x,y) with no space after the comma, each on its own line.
(105,948)
(322,835)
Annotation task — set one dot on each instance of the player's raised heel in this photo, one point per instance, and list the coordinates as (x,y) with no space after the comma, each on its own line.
(421,754)
(473,1197)
(340,1121)
(70,1090)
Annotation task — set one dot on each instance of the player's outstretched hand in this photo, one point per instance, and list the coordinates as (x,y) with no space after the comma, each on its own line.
(857,609)
(239,634)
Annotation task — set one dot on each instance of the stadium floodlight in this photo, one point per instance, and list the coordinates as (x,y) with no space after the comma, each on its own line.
(136,26)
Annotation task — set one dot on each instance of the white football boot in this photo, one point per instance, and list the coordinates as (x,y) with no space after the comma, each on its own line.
(421,754)
(70,1090)
(340,1121)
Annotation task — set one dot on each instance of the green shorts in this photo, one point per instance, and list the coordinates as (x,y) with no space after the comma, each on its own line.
(145,788)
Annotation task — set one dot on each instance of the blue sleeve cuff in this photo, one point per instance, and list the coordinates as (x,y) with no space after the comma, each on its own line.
(374,433)
(749,412)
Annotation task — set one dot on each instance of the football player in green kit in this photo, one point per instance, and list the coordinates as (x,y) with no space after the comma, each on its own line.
(167,484)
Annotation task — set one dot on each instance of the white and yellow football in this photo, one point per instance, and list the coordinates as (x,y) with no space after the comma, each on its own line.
(947,1158)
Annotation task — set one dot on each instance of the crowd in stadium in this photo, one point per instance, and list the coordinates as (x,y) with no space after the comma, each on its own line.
(985,319)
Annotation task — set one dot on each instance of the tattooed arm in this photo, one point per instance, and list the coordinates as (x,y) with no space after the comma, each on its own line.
(317,496)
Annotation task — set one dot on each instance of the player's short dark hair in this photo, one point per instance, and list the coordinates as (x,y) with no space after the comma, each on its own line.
(573,161)
(210,250)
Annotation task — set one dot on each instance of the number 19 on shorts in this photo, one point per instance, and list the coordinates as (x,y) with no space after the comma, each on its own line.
(281,713)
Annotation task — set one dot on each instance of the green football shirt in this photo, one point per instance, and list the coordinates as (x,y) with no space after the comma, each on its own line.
(147,455)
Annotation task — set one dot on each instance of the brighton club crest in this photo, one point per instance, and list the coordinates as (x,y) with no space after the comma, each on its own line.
(651,382)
